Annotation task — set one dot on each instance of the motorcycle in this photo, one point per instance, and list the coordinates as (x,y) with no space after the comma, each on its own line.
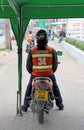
(29,46)
(42,97)
(61,39)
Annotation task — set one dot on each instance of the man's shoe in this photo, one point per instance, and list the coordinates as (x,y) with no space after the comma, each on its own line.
(24,109)
(61,107)
(46,110)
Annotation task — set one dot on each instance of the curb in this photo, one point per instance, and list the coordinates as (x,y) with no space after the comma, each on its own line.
(75,52)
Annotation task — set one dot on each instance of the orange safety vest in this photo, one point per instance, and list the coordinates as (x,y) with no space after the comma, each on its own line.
(30,37)
(42,61)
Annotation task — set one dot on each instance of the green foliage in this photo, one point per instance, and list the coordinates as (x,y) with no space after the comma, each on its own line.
(2,49)
(57,35)
(5,50)
(76,43)
(72,41)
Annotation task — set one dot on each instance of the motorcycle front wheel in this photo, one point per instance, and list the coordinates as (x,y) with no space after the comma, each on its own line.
(41,116)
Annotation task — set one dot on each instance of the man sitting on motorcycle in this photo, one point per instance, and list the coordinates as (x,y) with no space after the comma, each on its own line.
(42,61)
(30,38)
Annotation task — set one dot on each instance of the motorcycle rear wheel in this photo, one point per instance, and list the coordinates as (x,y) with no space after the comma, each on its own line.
(41,116)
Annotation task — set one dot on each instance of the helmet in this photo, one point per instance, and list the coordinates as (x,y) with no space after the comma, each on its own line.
(30,32)
(41,37)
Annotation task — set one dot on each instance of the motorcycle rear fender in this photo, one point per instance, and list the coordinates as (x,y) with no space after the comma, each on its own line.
(41,81)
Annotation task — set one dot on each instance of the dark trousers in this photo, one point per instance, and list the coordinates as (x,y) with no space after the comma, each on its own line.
(56,91)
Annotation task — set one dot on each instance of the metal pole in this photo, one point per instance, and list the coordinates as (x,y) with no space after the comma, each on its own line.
(19,92)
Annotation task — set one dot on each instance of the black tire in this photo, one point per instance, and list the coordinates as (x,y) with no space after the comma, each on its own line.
(27,49)
(41,116)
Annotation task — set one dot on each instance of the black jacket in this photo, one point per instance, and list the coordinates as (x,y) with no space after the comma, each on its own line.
(54,61)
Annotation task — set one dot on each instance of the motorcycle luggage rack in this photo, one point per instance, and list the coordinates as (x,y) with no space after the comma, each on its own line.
(42,78)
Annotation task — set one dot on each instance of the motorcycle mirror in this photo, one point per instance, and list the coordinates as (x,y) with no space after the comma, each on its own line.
(59,53)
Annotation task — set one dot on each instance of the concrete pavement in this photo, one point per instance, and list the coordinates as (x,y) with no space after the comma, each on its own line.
(70,78)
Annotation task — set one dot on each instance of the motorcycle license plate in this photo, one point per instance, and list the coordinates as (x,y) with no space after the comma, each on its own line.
(41,95)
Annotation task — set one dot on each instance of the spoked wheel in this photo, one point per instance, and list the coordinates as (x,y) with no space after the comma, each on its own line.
(41,116)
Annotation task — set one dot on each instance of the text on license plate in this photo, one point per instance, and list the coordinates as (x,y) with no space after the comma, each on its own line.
(41,95)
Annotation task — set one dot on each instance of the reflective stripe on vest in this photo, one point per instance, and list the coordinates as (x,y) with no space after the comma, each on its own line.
(42,67)
(41,55)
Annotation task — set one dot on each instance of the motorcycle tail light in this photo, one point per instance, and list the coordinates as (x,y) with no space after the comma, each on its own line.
(50,85)
(33,85)
(42,83)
